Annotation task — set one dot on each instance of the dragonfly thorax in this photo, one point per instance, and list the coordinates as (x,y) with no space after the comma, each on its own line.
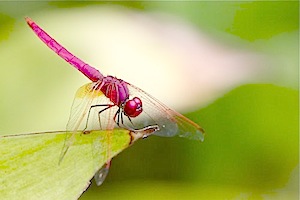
(115,89)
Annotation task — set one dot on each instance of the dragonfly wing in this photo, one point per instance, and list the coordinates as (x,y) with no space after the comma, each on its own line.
(85,117)
(88,102)
(170,122)
(101,174)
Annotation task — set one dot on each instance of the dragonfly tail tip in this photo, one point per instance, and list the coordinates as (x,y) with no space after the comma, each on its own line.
(28,20)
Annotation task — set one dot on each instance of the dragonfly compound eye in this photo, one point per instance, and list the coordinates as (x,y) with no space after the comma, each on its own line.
(133,107)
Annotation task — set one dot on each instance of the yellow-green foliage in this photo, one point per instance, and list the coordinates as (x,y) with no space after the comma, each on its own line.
(30,169)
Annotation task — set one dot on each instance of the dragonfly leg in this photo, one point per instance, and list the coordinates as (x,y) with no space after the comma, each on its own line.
(117,114)
(129,119)
(122,121)
(109,106)
(120,116)
(101,174)
(120,113)
(94,106)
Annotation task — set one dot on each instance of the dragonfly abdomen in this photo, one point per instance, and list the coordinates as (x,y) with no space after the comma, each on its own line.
(89,71)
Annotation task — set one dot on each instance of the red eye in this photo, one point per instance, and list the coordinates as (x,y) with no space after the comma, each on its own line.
(133,107)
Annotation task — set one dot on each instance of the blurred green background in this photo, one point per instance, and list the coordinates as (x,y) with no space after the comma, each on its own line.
(251,150)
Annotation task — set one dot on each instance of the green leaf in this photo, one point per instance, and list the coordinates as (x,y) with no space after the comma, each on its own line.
(30,169)
(263,19)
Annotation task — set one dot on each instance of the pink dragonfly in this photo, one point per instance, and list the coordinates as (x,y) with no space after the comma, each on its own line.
(114,103)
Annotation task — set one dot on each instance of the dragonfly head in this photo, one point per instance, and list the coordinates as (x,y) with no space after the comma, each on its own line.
(133,107)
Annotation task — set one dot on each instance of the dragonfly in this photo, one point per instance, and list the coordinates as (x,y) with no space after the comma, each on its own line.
(108,102)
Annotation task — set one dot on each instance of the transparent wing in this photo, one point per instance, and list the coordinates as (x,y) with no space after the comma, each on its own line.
(88,102)
(170,122)
(101,174)
(92,110)
(84,117)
